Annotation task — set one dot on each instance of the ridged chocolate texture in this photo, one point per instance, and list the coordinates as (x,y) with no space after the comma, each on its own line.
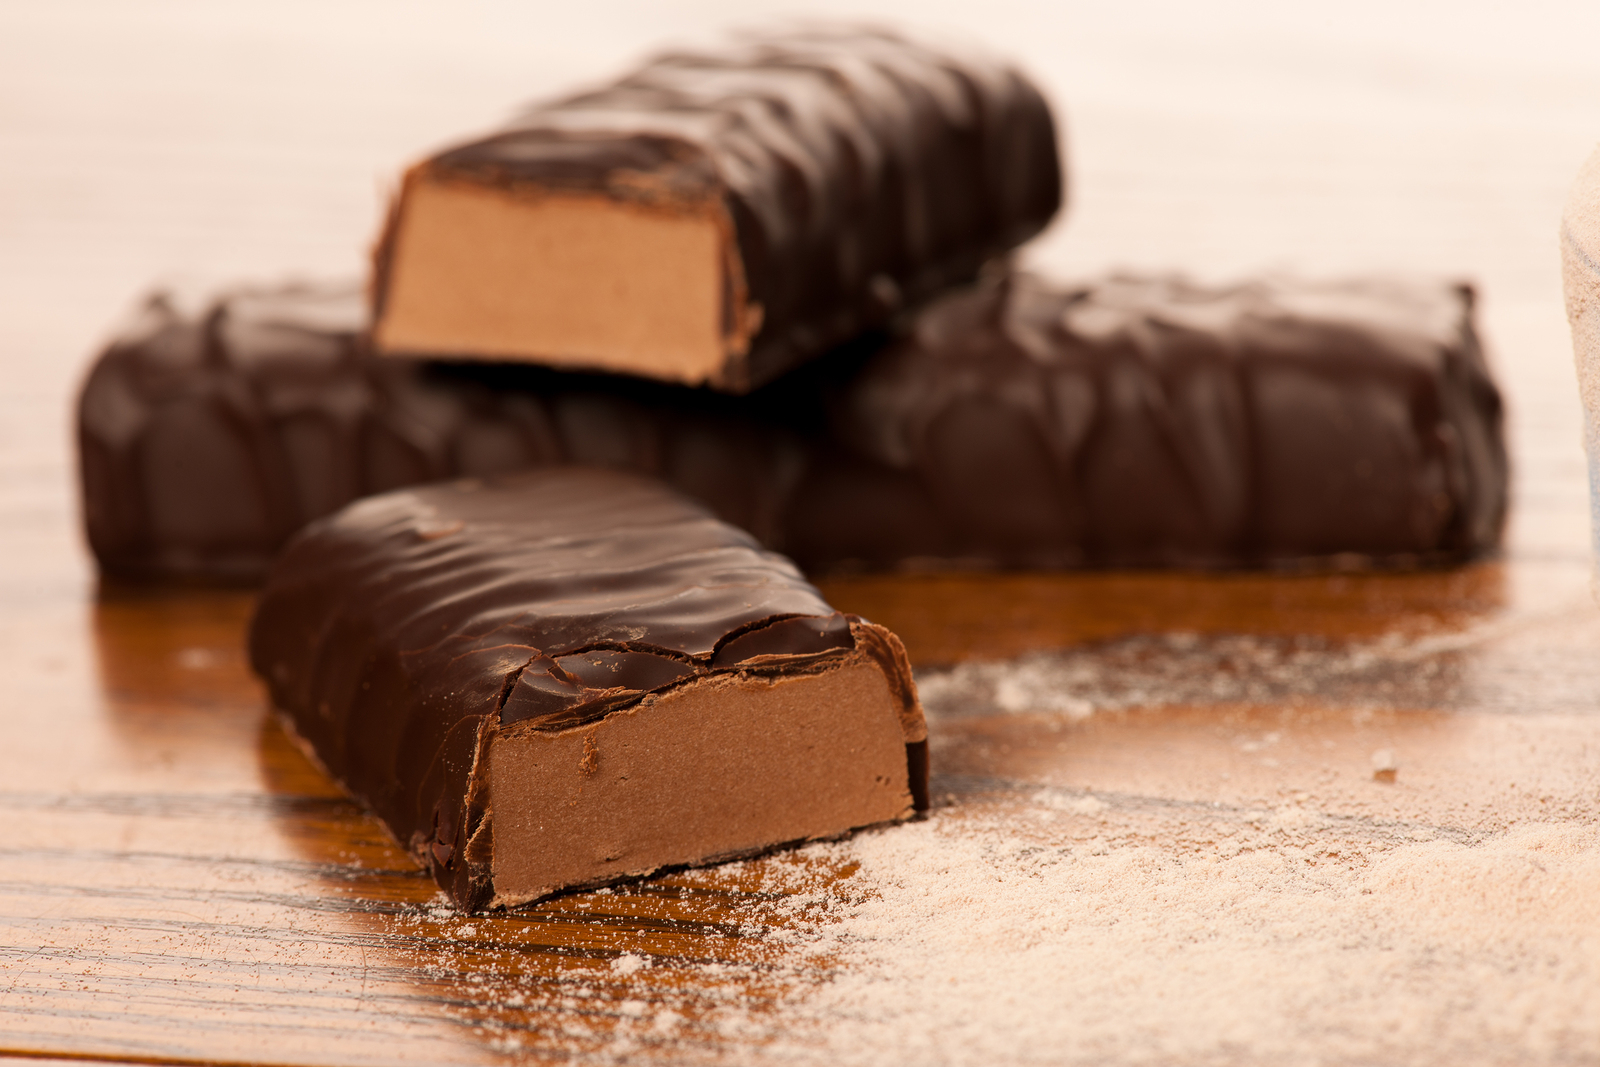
(1149,421)
(1129,421)
(400,634)
(206,437)
(863,172)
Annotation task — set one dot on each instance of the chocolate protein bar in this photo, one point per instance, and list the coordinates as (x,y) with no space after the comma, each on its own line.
(1153,422)
(209,433)
(718,218)
(1128,421)
(575,675)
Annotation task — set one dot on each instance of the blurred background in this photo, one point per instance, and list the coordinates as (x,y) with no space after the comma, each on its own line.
(197,142)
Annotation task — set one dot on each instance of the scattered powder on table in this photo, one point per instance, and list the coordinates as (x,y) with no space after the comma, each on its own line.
(970,939)
(1180,668)
(1022,924)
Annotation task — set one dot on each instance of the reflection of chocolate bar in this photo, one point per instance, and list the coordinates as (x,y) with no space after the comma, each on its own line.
(1128,422)
(719,218)
(572,676)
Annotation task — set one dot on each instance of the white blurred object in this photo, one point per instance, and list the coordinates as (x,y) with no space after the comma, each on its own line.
(1580,269)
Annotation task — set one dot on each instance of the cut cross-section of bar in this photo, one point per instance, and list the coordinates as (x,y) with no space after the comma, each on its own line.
(719,218)
(576,676)
(721,766)
(583,281)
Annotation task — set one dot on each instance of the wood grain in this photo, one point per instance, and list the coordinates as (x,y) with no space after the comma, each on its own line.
(220,880)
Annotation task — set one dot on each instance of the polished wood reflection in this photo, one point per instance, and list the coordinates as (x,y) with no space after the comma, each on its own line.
(945,618)
(220,879)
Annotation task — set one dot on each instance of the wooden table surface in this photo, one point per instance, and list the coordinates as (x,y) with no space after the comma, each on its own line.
(1313,818)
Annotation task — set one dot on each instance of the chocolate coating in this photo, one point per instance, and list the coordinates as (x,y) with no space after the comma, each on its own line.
(402,631)
(863,172)
(1123,422)
(206,437)
(1149,421)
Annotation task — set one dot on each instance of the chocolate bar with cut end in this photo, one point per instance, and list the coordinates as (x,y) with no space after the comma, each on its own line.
(719,218)
(1128,421)
(574,676)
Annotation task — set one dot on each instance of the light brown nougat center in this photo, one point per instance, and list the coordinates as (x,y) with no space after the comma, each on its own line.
(719,767)
(569,280)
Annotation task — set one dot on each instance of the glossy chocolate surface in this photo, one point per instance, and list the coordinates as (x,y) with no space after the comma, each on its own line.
(1153,422)
(863,172)
(1122,422)
(400,633)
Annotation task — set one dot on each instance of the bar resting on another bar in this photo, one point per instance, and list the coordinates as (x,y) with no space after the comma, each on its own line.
(1119,422)
(719,218)
(575,676)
